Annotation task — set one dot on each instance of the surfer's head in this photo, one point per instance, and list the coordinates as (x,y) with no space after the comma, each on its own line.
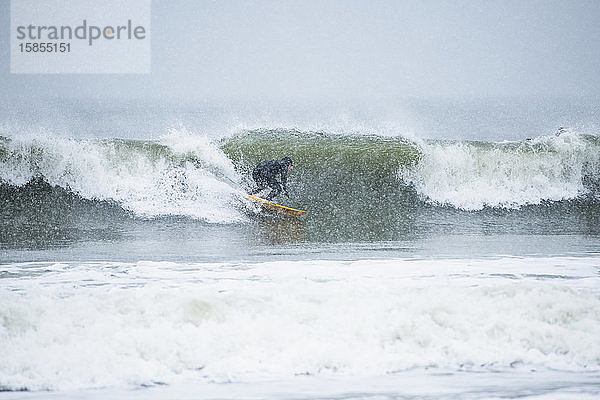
(287,161)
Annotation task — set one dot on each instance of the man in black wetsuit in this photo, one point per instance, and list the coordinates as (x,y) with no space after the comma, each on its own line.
(264,175)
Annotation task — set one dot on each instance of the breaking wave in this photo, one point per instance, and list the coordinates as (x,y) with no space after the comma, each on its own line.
(189,175)
(474,175)
(180,174)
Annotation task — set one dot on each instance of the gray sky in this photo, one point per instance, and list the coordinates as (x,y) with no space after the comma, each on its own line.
(349,50)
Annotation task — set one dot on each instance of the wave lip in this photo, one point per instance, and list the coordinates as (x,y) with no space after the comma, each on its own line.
(475,175)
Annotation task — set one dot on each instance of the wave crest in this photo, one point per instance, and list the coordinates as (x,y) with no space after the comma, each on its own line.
(180,174)
(474,175)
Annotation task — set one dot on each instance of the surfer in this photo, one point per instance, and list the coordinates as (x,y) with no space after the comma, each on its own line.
(265,173)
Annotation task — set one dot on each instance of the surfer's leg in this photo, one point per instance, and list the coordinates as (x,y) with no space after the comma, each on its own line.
(274,193)
(275,189)
(260,180)
(261,186)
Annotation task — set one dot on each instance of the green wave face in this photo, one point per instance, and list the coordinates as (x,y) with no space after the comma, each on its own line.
(369,187)
(347,181)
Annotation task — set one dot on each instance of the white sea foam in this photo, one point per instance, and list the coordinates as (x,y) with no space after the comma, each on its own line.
(70,325)
(141,177)
(473,175)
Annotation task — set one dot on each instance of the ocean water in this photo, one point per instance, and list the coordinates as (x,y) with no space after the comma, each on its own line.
(451,251)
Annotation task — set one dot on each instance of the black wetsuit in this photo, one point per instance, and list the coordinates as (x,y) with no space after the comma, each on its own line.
(264,175)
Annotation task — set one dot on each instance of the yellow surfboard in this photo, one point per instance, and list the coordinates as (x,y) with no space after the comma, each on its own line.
(278,207)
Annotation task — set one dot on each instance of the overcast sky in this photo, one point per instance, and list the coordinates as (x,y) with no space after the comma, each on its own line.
(242,50)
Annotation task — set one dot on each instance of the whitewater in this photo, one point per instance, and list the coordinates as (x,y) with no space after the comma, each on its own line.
(162,323)
(458,264)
